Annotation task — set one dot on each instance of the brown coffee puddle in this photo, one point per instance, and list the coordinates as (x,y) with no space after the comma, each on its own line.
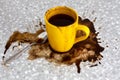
(87,50)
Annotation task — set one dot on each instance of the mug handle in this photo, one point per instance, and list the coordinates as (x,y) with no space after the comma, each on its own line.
(85,29)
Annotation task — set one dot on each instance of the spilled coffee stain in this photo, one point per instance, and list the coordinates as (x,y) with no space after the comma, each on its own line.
(87,50)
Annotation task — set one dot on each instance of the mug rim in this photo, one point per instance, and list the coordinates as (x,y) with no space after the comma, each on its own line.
(76,15)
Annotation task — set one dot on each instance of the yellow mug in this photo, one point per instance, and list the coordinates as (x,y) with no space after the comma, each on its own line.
(62,38)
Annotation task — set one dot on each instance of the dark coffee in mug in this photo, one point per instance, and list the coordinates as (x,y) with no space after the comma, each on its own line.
(61,20)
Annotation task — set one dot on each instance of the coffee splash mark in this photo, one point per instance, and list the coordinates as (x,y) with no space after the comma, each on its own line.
(25,37)
(87,50)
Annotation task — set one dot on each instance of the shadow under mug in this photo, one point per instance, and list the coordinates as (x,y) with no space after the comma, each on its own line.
(62,38)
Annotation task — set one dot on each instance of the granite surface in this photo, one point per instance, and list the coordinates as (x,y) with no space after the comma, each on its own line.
(22,15)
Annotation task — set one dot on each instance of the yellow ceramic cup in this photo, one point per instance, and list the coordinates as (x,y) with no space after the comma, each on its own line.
(62,38)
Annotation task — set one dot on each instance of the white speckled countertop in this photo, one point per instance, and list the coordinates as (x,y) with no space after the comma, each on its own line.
(19,14)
